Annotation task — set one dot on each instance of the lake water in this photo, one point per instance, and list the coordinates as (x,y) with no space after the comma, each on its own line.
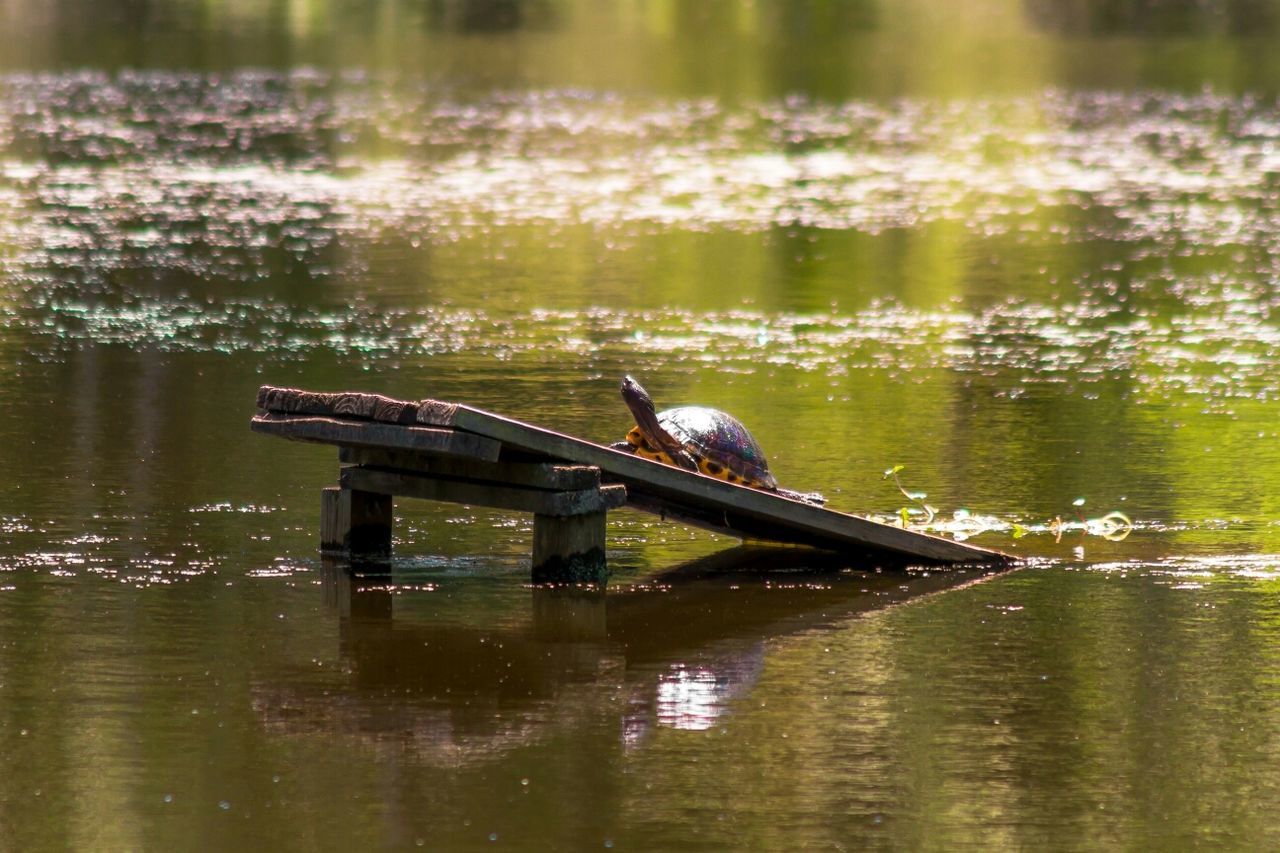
(1026,251)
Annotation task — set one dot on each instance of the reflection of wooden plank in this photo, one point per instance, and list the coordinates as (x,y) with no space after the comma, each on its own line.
(541,475)
(517,498)
(370,434)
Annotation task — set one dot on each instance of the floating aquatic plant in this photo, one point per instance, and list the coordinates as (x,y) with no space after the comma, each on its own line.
(904,514)
(1114,526)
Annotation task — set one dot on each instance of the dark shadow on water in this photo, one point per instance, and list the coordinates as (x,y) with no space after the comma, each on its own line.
(678,650)
(759,592)
(489,16)
(1195,18)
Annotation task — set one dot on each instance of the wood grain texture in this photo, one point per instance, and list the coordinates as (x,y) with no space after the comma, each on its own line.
(335,520)
(344,404)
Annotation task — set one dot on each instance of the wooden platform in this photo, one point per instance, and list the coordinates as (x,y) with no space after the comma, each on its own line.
(448,451)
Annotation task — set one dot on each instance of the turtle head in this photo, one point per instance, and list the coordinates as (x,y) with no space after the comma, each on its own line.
(637,398)
(646,415)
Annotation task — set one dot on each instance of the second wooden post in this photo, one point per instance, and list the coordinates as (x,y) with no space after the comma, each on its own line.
(355,524)
(569,549)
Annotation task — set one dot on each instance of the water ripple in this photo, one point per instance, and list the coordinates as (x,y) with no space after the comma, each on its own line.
(1223,352)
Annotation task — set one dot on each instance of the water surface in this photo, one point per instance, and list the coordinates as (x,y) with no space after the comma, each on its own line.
(1043,283)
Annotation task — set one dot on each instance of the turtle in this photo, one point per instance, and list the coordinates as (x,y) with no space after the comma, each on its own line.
(700,439)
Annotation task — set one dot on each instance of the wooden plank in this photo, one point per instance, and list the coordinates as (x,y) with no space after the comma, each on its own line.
(541,475)
(737,510)
(471,493)
(345,404)
(732,523)
(372,434)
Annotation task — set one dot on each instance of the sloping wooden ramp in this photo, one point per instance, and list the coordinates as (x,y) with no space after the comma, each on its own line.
(448,451)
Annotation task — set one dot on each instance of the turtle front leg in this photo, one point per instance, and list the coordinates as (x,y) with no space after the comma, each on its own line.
(684,459)
(624,446)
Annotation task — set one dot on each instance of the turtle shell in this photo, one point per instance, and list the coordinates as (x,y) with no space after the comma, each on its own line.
(717,439)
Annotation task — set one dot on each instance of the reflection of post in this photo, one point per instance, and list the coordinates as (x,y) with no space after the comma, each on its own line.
(569,549)
(355,523)
(364,603)
(370,601)
(569,615)
(336,583)
(362,598)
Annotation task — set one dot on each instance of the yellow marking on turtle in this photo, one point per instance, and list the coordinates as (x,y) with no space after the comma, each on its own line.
(658,456)
(712,469)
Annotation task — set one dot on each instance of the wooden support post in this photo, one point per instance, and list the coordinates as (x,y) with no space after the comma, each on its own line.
(569,549)
(335,520)
(354,523)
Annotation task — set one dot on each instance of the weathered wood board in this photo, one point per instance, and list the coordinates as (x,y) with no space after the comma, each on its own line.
(348,404)
(332,430)
(651,486)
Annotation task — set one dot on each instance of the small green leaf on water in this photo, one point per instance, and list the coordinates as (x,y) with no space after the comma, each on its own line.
(890,472)
(1019,531)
